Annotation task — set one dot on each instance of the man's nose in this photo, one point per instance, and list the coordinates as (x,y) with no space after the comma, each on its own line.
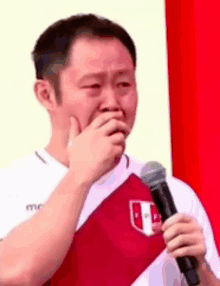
(110,100)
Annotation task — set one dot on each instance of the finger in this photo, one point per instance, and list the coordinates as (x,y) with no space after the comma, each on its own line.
(179,217)
(184,240)
(114,126)
(118,150)
(193,250)
(178,229)
(105,117)
(117,138)
(74,130)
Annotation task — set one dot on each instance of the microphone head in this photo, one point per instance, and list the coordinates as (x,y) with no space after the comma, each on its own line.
(153,173)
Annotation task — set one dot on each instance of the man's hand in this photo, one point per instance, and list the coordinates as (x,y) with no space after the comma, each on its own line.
(95,150)
(184,236)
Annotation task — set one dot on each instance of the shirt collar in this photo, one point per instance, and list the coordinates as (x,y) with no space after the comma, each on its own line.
(49,160)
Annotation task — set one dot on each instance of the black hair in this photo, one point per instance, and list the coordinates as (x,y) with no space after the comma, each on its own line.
(52,48)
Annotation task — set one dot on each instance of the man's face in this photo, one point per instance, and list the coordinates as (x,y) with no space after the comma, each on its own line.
(100,77)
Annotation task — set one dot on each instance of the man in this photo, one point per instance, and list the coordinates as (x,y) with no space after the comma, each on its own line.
(85,70)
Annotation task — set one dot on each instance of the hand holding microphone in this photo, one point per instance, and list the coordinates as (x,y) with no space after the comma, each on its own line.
(182,234)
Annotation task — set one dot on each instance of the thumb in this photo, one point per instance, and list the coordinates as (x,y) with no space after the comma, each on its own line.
(73,130)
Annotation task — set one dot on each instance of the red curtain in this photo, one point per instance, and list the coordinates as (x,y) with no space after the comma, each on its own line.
(193,37)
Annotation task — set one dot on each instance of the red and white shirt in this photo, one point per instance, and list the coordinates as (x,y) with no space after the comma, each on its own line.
(26,185)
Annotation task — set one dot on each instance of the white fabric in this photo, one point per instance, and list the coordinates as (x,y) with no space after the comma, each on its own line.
(28,183)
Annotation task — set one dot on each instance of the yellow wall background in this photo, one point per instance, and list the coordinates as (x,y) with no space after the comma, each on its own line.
(25,125)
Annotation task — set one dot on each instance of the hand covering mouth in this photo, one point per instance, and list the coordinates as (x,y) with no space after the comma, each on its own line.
(118,130)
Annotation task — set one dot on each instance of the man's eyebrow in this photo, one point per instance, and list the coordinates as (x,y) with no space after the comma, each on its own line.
(92,75)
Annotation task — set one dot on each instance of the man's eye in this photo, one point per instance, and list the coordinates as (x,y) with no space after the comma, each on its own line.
(124,84)
(92,86)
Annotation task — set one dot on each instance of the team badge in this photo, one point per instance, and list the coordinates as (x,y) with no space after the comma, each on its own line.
(144,217)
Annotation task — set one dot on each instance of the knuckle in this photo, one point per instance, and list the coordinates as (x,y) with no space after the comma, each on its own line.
(181,239)
(115,122)
(111,119)
(178,229)
(184,217)
(169,246)
(183,251)
(166,237)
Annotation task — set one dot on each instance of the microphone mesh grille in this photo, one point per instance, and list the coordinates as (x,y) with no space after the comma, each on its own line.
(153,173)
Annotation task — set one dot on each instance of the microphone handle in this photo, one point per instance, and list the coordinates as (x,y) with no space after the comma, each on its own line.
(166,207)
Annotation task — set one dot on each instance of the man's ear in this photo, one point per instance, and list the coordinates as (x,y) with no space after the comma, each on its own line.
(45,94)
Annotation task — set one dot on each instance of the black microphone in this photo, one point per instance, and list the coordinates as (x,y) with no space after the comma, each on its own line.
(153,174)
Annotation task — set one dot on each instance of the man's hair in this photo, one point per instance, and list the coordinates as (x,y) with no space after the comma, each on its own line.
(51,51)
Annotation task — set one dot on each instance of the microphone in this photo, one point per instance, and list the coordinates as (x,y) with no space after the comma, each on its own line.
(153,174)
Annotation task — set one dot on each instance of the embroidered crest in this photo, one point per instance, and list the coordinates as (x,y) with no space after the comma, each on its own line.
(144,217)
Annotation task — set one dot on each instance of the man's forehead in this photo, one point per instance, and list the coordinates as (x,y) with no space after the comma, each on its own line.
(99,57)
(99,51)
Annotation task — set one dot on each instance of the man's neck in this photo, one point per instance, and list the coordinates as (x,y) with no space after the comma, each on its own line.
(58,153)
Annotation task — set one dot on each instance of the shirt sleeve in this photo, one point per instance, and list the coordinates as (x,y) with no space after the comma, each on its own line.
(188,202)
